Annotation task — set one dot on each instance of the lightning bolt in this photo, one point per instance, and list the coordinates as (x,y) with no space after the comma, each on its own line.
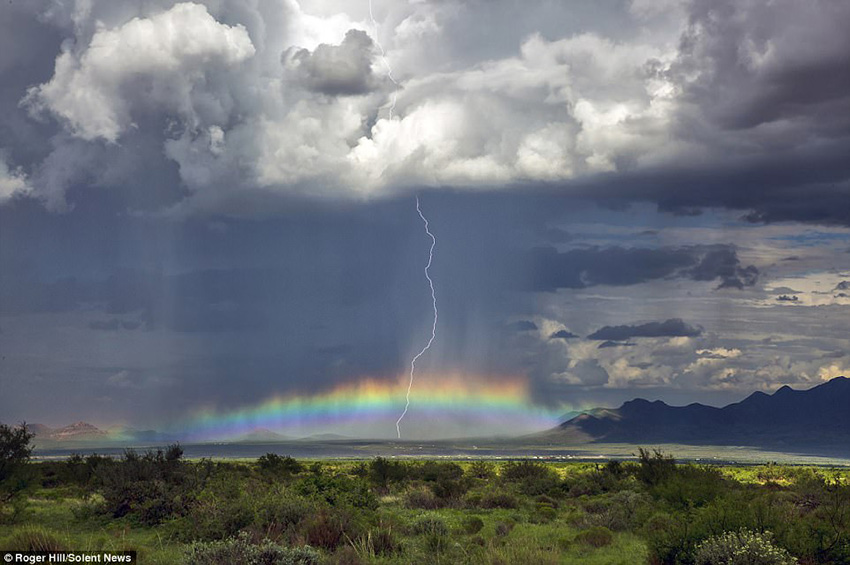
(433,325)
(385,62)
(427,231)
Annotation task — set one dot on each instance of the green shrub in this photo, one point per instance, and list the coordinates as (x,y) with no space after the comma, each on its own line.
(34,538)
(382,472)
(448,489)
(281,510)
(430,525)
(504,528)
(597,536)
(543,513)
(15,450)
(223,508)
(531,478)
(432,471)
(329,529)
(494,499)
(519,470)
(154,486)
(273,464)
(435,531)
(240,550)
(376,542)
(481,470)
(472,525)
(337,491)
(655,467)
(618,511)
(742,548)
(423,499)
(691,485)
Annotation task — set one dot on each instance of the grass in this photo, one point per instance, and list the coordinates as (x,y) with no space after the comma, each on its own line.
(58,516)
(562,510)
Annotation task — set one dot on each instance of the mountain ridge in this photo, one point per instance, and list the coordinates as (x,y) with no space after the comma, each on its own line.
(818,415)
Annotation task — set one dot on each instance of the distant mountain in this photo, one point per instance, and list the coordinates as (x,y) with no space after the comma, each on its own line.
(78,431)
(787,418)
(261,435)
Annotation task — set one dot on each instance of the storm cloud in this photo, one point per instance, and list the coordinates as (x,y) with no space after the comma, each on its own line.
(623,266)
(344,69)
(674,327)
(211,202)
(283,99)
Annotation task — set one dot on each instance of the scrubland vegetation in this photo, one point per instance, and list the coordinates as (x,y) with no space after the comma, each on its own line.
(277,510)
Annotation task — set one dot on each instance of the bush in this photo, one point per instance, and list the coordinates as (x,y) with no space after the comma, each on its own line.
(504,528)
(377,542)
(606,478)
(382,472)
(430,525)
(223,508)
(154,486)
(274,464)
(742,548)
(532,478)
(448,490)
(423,499)
(481,470)
(82,471)
(436,533)
(337,491)
(691,485)
(619,511)
(241,550)
(15,449)
(597,536)
(329,530)
(656,467)
(518,470)
(34,538)
(543,513)
(280,510)
(472,525)
(499,500)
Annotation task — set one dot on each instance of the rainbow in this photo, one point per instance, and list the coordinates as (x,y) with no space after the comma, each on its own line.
(368,407)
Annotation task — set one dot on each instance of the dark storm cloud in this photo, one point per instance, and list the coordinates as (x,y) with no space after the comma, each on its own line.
(723,263)
(622,266)
(304,302)
(674,327)
(610,343)
(343,69)
(767,62)
(522,326)
(756,91)
(207,194)
(563,334)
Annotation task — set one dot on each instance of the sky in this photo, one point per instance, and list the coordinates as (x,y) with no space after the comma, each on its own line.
(208,210)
